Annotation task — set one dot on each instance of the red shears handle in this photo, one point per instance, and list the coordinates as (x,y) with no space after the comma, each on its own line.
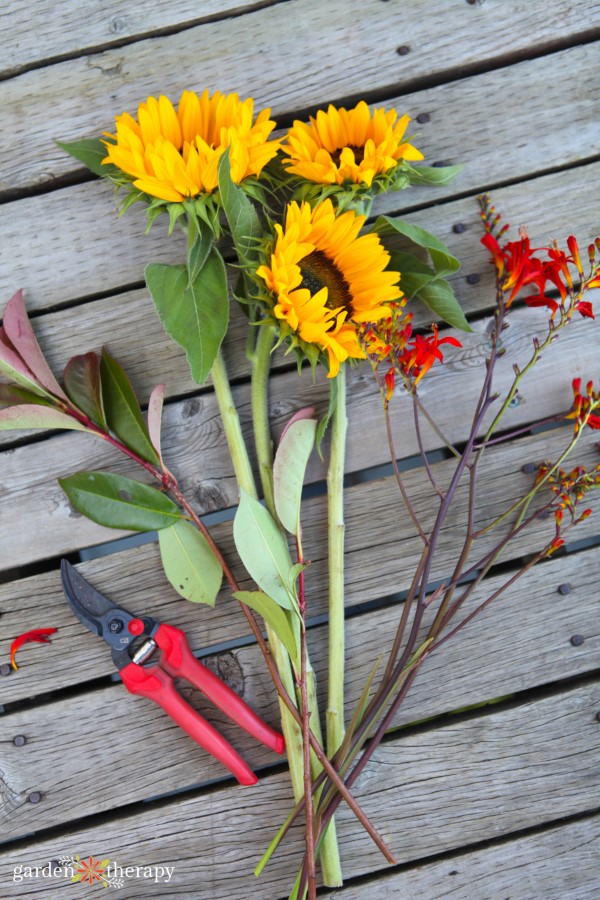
(179,661)
(157,685)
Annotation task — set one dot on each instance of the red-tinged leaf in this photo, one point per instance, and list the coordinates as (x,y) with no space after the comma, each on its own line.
(14,368)
(30,415)
(307,413)
(82,382)
(122,409)
(37,636)
(155,408)
(11,395)
(20,333)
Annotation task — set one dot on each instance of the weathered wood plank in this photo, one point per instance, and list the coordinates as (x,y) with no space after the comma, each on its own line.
(71,27)
(381,557)
(558,864)
(193,431)
(429,792)
(518,643)
(301,73)
(89,235)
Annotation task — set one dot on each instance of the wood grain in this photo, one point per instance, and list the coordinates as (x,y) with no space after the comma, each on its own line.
(381,558)
(70,28)
(192,431)
(300,72)
(429,792)
(92,251)
(515,645)
(558,864)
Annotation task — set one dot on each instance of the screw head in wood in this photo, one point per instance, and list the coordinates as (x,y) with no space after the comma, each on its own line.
(528,468)
(404,50)
(5,669)
(564,589)
(577,640)
(459,228)
(35,797)
(423,118)
(19,740)
(473,278)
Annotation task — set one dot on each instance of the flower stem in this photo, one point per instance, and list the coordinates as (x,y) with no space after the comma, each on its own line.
(335,519)
(260,412)
(329,854)
(233,429)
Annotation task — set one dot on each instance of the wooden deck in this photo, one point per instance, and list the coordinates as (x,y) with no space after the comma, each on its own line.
(494,802)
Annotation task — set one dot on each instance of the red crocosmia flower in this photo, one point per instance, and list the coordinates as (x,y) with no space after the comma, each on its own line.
(417,359)
(583,404)
(585,309)
(38,635)
(515,264)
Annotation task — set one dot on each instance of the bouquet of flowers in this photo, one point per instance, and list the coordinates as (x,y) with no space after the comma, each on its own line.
(281,225)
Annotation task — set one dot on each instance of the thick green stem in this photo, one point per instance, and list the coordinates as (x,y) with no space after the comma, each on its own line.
(245,479)
(233,429)
(329,854)
(260,412)
(335,520)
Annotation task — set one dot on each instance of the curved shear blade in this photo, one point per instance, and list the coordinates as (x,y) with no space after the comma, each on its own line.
(89,605)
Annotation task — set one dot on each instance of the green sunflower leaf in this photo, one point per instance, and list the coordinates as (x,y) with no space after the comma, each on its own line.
(194,313)
(199,250)
(276,617)
(119,502)
(241,215)
(443,261)
(263,550)
(122,410)
(439,297)
(90,152)
(433,174)
(289,469)
(189,563)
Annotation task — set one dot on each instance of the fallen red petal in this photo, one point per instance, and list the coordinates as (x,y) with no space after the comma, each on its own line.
(37,636)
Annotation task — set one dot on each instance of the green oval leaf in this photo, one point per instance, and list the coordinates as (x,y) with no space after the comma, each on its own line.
(443,261)
(122,411)
(276,617)
(194,313)
(119,502)
(189,563)
(289,469)
(34,415)
(439,297)
(263,550)
(82,383)
(433,174)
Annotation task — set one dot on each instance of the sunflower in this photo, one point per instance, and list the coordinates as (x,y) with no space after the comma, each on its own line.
(341,145)
(327,280)
(174,155)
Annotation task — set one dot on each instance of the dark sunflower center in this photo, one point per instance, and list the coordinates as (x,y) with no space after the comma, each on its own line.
(318,271)
(359,154)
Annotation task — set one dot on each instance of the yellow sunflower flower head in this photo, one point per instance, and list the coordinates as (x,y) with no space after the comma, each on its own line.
(351,148)
(324,280)
(173,154)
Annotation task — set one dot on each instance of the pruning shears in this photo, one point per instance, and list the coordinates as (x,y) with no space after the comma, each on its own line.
(150,655)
